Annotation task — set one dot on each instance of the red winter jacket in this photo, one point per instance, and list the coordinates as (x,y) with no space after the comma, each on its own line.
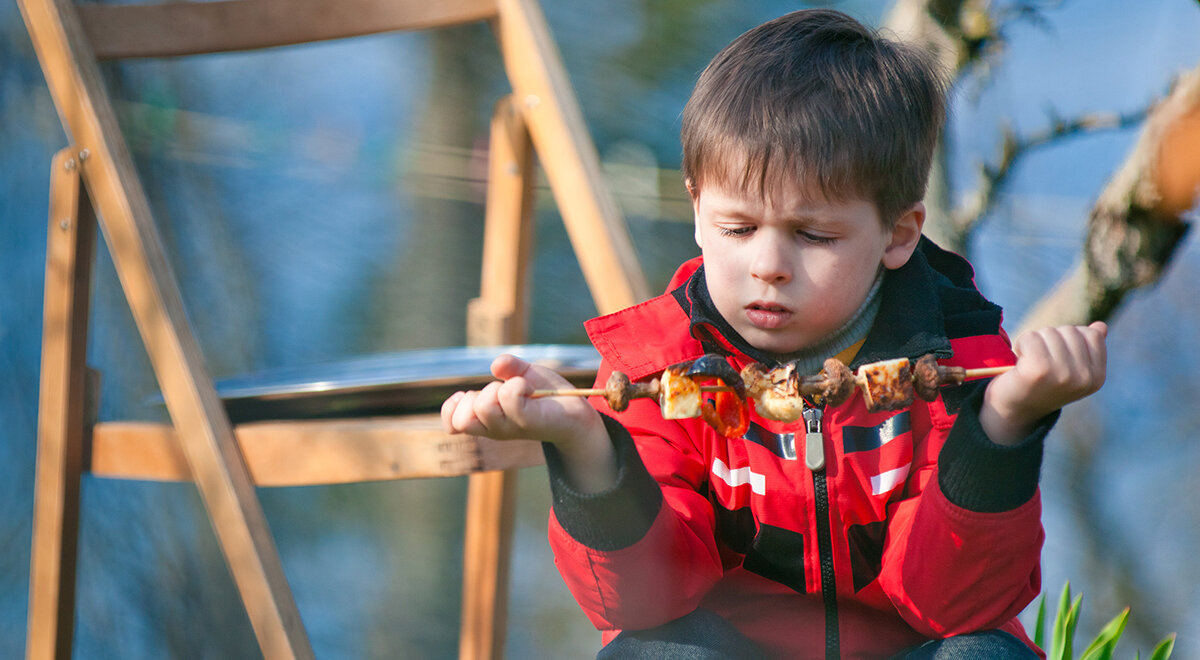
(917,527)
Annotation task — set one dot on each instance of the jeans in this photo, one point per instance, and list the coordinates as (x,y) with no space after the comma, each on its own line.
(703,635)
(700,635)
(985,645)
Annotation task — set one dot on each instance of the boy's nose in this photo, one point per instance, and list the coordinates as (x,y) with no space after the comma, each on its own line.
(770,263)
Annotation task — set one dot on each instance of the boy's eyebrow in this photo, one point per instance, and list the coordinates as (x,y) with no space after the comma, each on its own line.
(734,208)
(803,216)
(809,218)
(737,213)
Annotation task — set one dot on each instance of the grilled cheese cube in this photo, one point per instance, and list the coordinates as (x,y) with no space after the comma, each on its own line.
(679,396)
(886,385)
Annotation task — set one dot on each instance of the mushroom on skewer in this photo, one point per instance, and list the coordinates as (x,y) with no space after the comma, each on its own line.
(928,376)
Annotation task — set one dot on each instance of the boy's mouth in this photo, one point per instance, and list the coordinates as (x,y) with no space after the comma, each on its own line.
(767,316)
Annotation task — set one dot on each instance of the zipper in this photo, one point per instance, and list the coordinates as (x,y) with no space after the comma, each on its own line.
(814,443)
(814,458)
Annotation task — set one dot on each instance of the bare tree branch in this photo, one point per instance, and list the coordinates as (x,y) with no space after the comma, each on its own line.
(1137,222)
(993,177)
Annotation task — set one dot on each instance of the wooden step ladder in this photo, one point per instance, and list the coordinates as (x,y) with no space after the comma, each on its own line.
(539,120)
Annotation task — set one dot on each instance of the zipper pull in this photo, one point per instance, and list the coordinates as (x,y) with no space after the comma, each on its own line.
(814,443)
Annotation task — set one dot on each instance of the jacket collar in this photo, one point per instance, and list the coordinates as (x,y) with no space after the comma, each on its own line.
(708,326)
(911,322)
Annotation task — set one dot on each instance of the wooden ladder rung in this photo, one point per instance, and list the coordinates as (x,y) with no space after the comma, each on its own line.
(312,452)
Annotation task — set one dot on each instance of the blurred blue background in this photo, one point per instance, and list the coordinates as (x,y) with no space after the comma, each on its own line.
(320,202)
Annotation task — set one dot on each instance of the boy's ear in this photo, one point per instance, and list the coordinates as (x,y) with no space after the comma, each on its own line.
(906,233)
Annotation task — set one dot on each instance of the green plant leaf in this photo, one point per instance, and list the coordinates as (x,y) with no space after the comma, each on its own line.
(1097,651)
(1039,630)
(1164,648)
(1055,649)
(1060,646)
(1069,633)
(1105,644)
(1063,637)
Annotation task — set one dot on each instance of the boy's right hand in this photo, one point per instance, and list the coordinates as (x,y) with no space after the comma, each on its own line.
(503,410)
(1055,366)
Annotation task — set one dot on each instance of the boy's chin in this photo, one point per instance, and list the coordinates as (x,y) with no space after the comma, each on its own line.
(776,344)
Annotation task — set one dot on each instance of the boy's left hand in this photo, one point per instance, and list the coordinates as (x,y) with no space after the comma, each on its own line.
(1055,366)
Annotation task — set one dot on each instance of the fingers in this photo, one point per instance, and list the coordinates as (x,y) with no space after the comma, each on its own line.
(1067,343)
(512,396)
(486,409)
(449,406)
(496,411)
(460,414)
(1097,341)
(480,412)
(1068,358)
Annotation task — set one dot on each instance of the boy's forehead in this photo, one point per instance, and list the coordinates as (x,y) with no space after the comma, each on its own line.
(772,184)
(740,169)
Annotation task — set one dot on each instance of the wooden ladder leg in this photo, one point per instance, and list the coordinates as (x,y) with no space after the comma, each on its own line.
(205,433)
(572,166)
(487,553)
(496,317)
(62,417)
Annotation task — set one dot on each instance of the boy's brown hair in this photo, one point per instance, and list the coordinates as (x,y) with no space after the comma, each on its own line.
(817,98)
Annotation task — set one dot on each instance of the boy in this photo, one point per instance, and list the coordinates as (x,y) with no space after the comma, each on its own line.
(807,144)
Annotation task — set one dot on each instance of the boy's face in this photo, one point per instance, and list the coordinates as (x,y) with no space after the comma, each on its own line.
(787,269)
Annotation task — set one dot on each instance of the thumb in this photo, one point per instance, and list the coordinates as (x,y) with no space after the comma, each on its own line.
(507,366)
(1101,326)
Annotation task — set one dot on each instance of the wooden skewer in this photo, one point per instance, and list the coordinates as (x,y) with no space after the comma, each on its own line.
(982,372)
(571,391)
(595,391)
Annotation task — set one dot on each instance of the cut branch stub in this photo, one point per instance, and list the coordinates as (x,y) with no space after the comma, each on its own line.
(1126,249)
(1179,165)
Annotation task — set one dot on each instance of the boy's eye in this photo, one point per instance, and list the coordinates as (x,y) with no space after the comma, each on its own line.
(741,230)
(816,238)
